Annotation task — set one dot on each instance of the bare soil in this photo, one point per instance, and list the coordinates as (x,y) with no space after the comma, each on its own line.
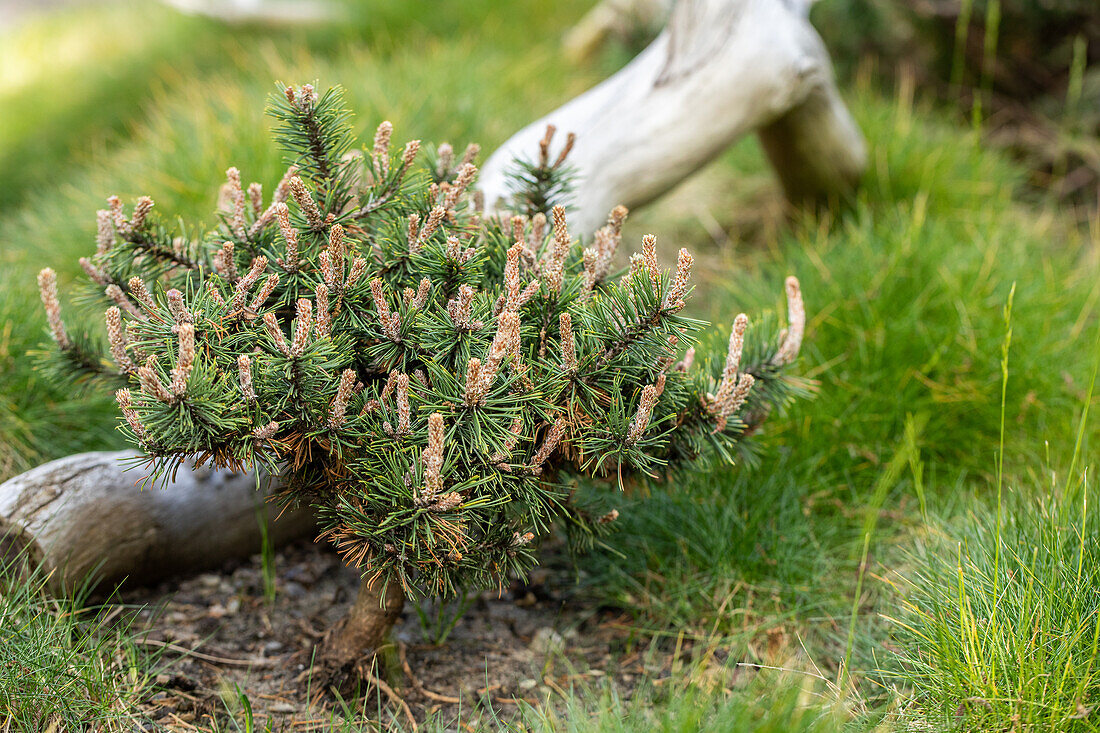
(527,643)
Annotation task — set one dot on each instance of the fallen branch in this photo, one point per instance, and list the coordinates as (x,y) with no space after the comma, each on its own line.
(85,516)
(720,70)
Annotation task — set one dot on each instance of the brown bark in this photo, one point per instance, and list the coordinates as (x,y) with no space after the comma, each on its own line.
(364,629)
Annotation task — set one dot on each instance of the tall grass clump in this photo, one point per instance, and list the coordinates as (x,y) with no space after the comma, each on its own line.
(1008,642)
(1002,625)
(66,665)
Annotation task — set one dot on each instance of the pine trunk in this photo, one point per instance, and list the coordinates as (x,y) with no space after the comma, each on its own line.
(358,635)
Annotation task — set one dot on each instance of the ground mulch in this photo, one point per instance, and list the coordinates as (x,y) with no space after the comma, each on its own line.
(526,643)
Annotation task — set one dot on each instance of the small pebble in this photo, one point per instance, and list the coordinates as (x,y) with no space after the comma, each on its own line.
(547,641)
(300,574)
(293,590)
(209,580)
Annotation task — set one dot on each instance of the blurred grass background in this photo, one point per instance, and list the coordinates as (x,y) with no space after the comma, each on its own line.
(866,554)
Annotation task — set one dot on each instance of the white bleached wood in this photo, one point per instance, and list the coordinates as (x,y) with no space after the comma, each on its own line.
(85,514)
(720,70)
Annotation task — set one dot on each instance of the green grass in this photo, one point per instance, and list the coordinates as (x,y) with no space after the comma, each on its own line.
(869,505)
(108,62)
(1003,631)
(906,293)
(1001,627)
(771,702)
(66,665)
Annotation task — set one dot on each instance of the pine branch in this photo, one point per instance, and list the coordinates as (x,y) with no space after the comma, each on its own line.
(539,185)
(316,132)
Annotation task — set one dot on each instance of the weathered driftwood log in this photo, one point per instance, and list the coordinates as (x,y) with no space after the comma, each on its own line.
(721,69)
(85,515)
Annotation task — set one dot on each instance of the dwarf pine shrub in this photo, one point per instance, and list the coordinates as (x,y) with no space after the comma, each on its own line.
(428,376)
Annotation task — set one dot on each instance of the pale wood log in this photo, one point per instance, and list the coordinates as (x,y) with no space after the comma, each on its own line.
(720,70)
(86,515)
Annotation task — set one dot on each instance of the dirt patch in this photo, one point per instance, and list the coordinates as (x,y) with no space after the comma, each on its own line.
(529,642)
